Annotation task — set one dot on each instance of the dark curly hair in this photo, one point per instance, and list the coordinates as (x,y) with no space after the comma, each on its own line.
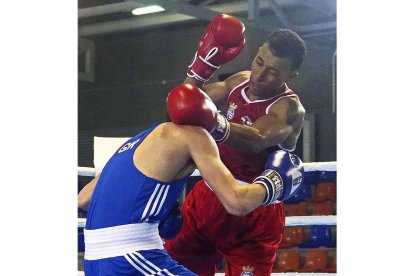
(286,43)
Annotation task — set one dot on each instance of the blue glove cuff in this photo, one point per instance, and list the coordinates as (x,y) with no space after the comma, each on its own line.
(273,183)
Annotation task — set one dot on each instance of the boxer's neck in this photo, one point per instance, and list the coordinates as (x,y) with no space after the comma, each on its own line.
(252,97)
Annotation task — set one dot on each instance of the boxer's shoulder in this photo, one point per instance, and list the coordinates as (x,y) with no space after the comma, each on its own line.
(236,79)
(292,105)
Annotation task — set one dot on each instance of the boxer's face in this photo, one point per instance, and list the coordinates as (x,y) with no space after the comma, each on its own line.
(269,73)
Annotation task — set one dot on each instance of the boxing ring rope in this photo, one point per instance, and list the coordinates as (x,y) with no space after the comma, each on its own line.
(85,171)
(308,167)
(290,221)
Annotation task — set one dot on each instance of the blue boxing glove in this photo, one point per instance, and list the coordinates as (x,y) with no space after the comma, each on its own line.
(282,177)
(171,225)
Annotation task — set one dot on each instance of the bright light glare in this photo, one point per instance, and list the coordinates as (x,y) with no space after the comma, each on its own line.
(148,9)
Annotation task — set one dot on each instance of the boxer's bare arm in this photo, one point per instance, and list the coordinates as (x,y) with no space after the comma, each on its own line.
(238,199)
(219,91)
(85,195)
(283,122)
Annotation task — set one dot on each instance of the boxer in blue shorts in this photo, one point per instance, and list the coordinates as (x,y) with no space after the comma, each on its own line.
(139,187)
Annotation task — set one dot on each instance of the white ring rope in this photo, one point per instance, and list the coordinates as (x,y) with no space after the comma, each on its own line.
(308,167)
(320,166)
(85,171)
(310,220)
(289,221)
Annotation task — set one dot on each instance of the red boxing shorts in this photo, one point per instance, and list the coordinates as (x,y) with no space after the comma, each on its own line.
(247,243)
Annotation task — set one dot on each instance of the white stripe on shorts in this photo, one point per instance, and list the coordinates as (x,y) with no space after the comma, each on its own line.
(141,264)
(151,264)
(134,265)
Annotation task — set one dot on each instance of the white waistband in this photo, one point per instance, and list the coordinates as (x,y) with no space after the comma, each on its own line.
(118,240)
(238,181)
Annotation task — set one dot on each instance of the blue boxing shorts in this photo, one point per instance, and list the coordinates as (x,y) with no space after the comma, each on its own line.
(133,249)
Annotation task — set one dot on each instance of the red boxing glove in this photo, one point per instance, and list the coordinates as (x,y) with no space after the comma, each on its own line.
(222,41)
(189,105)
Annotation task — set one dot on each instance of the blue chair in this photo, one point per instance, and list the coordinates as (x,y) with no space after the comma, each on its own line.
(332,241)
(319,235)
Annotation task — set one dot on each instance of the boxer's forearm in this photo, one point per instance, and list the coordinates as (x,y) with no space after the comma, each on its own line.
(245,139)
(250,197)
(252,140)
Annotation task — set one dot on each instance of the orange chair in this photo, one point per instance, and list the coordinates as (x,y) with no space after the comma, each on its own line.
(287,261)
(332,268)
(322,209)
(315,261)
(300,209)
(324,191)
(292,236)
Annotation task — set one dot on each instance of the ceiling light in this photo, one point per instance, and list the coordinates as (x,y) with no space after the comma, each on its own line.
(148,9)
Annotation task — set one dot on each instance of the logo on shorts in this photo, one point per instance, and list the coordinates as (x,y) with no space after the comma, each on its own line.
(230,111)
(247,271)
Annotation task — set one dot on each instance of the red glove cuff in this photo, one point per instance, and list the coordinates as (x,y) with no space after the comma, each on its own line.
(200,68)
(221,131)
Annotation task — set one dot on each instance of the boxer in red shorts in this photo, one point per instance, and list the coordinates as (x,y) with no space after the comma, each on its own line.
(264,115)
